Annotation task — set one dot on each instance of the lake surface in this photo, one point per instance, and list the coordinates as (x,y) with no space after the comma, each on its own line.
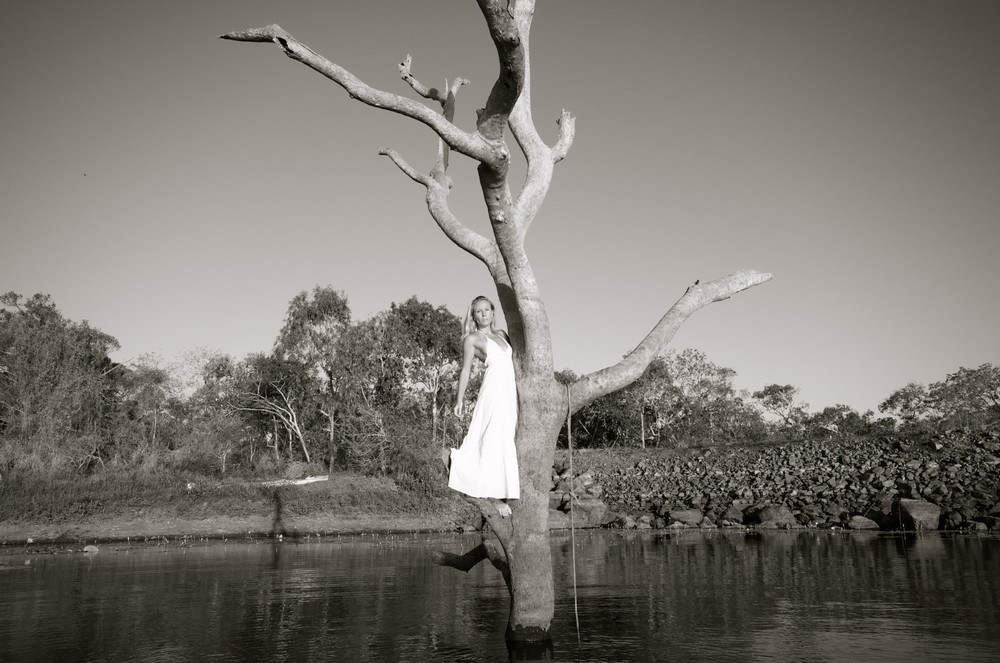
(642,596)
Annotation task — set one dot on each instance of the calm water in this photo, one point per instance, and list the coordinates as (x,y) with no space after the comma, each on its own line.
(722,596)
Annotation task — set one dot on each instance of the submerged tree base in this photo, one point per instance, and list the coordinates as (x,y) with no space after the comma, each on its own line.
(529,644)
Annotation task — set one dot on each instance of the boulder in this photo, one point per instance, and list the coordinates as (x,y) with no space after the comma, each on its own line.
(951,520)
(690,517)
(775,515)
(917,514)
(623,522)
(734,515)
(991,522)
(589,511)
(860,522)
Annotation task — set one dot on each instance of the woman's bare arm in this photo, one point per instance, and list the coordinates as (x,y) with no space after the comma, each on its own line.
(468,353)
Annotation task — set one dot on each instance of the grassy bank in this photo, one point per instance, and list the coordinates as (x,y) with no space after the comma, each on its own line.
(121,505)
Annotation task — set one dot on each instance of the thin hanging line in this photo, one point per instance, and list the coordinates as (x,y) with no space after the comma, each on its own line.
(572,507)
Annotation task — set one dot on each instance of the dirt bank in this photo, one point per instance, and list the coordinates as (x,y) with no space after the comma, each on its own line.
(346,504)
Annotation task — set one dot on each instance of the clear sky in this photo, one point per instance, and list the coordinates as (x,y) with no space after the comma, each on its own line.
(177,190)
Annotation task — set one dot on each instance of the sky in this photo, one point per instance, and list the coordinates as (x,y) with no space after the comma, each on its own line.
(177,190)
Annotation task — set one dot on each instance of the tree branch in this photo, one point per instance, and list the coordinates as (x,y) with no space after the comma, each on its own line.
(462,562)
(472,145)
(539,157)
(506,30)
(567,132)
(437,203)
(431,93)
(503,527)
(410,171)
(487,549)
(697,296)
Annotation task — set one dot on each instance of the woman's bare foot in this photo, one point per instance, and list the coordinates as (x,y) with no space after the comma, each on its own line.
(446,458)
(503,508)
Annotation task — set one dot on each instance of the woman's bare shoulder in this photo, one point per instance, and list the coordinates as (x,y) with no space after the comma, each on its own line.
(474,340)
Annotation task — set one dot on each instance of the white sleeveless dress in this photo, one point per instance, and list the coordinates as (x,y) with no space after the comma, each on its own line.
(486,463)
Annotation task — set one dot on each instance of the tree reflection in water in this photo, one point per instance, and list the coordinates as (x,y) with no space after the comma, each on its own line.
(643,596)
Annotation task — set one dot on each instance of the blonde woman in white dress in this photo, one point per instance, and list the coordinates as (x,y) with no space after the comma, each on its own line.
(486,463)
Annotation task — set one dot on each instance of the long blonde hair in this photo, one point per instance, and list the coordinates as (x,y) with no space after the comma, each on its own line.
(470,322)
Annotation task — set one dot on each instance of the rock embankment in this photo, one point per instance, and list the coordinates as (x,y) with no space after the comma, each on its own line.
(851,484)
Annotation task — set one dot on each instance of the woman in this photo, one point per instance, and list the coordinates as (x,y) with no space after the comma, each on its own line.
(486,463)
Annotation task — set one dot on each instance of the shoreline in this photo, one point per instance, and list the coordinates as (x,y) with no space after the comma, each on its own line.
(185,533)
(820,482)
(173,529)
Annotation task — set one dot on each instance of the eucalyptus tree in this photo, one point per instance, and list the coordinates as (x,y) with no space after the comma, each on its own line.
(429,339)
(781,401)
(313,325)
(369,371)
(146,391)
(274,392)
(968,396)
(56,379)
(703,396)
(909,404)
(522,555)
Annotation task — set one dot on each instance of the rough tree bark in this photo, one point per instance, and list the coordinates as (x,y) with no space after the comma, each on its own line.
(521,550)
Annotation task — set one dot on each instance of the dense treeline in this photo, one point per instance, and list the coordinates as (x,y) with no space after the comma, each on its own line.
(374,396)
(369,396)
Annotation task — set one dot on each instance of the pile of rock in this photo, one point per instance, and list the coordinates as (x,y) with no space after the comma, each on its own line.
(853,484)
(575,499)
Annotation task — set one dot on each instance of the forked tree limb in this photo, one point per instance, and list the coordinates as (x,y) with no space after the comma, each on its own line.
(540,158)
(593,386)
(502,526)
(447,101)
(473,145)
(487,549)
(437,204)
(505,21)
(431,93)
(462,562)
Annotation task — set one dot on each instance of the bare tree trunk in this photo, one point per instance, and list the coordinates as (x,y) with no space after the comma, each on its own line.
(434,417)
(331,447)
(532,593)
(642,425)
(523,556)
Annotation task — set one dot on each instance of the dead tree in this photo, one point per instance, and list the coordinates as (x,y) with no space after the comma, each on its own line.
(521,551)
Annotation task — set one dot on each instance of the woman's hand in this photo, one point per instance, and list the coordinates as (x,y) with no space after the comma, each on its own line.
(459,406)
